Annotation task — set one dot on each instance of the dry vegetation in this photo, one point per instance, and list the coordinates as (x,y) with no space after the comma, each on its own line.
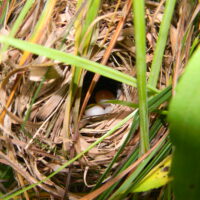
(33,114)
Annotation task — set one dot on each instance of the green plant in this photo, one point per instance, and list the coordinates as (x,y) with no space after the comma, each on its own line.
(184,128)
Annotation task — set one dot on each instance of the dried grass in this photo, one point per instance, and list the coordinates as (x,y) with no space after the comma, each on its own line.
(37,151)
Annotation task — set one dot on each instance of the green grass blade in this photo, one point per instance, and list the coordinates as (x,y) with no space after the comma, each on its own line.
(21,17)
(128,182)
(74,159)
(134,126)
(153,104)
(132,158)
(159,172)
(72,60)
(49,5)
(160,155)
(88,14)
(122,103)
(36,93)
(161,43)
(19,21)
(3,11)
(92,11)
(184,121)
(140,35)
(195,43)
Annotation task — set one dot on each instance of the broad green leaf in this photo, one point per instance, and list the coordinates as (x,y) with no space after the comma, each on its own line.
(156,178)
(184,119)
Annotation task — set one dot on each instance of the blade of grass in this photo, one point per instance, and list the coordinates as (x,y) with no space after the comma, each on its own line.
(132,158)
(107,53)
(195,43)
(92,12)
(73,60)
(40,27)
(70,25)
(153,104)
(88,14)
(13,31)
(120,102)
(140,42)
(131,132)
(145,156)
(74,159)
(18,23)
(139,176)
(129,181)
(36,93)
(161,43)
(155,175)
(3,9)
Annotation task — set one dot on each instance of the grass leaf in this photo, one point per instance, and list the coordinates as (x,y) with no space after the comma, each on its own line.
(140,35)
(19,21)
(156,178)
(73,159)
(161,43)
(72,60)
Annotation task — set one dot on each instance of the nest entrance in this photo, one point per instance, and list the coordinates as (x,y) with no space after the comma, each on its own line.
(103,84)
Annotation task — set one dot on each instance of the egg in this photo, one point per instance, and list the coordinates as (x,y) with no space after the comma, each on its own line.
(94,110)
(100,96)
(103,95)
(108,109)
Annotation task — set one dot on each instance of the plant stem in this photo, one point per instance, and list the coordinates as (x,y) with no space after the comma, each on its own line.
(161,43)
(139,23)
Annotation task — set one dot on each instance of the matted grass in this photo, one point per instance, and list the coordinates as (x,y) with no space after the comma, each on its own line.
(50,51)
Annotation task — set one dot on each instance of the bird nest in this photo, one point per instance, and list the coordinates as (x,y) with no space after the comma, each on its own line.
(34,140)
